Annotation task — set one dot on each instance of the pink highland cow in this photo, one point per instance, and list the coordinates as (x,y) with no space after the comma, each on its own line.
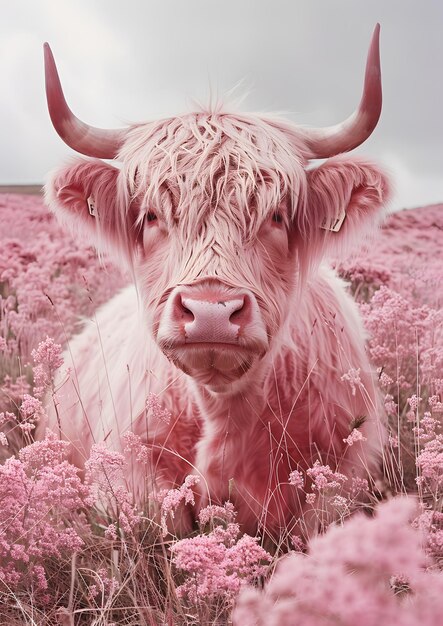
(233,353)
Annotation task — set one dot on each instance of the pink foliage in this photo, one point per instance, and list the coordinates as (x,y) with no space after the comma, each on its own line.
(355,436)
(398,282)
(404,338)
(429,462)
(104,474)
(105,585)
(156,409)
(171,499)
(134,445)
(368,571)
(352,575)
(401,303)
(47,359)
(219,563)
(41,495)
(323,478)
(46,280)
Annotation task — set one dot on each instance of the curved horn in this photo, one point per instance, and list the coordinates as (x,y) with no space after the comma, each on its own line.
(326,142)
(95,142)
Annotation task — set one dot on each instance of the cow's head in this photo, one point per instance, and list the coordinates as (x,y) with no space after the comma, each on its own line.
(219,217)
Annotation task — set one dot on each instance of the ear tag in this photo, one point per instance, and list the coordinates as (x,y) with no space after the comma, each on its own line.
(91,206)
(335,225)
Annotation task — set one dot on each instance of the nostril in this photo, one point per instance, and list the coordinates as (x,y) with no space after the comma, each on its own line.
(182,311)
(238,314)
(186,313)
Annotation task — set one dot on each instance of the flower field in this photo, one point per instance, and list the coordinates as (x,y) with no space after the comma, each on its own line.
(76,550)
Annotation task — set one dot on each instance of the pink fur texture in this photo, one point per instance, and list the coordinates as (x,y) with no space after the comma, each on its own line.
(220,223)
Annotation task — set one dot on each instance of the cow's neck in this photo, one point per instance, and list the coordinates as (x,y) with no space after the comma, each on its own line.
(236,411)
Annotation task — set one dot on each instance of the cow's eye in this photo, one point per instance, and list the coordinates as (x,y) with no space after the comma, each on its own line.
(277,217)
(151,216)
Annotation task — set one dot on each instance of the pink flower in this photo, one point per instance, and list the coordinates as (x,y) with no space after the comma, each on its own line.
(310,498)
(49,452)
(218,564)
(393,441)
(106,586)
(39,492)
(171,498)
(47,358)
(340,503)
(111,532)
(413,402)
(31,409)
(296,479)
(356,435)
(430,464)
(358,486)
(214,513)
(435,404)
(390,406)
(346,577)
(154,406)
(104,468)
(104,474)
(5,417)
(134,445)
(49,354)
(324,477)
(353,378)
(385,380)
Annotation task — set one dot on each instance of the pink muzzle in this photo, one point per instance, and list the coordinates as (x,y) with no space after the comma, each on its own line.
(213,320)
(214,314)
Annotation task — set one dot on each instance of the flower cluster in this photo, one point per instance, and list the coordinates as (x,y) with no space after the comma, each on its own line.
(352,377)
(171,499)
(16,429)
(134,445)
(47,359)
(104,474)
(429,461)
(46,282)
(104,585)
(219,563)
(41,497)
(156,409)
(351,575)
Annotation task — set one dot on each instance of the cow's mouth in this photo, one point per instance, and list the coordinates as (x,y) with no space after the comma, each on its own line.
(213,364)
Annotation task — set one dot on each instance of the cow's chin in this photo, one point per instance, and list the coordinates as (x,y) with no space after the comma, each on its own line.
(216,366)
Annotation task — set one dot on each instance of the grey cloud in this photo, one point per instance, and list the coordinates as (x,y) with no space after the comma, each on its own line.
(142,59)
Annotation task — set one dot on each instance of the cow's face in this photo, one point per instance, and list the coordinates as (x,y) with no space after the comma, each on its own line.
(218,219)
(214,199)
(214,299)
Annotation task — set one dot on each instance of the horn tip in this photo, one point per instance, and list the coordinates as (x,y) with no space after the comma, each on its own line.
(374,51)
(48,56)
(375,40)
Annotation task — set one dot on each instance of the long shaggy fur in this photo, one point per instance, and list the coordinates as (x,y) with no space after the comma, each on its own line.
(226,198)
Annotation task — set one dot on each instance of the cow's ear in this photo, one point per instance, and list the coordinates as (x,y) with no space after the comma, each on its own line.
(345,198)
(83,196)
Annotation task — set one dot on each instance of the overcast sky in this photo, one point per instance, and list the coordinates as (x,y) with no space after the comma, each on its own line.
(135,60)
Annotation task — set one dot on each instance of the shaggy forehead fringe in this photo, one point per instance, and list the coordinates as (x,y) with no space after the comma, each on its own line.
(192,165)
